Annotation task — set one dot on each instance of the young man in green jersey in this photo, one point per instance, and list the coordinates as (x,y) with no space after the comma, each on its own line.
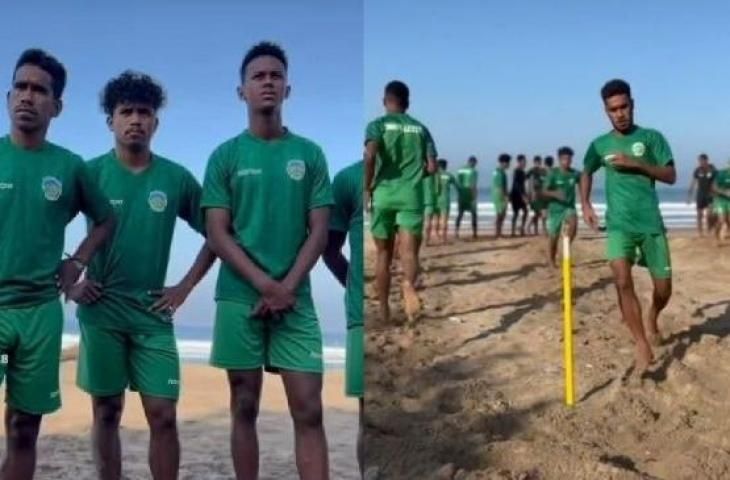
(125,314)
(500,193)
(467,180)
(634,159)
(721,202)
(535,178)
(267,197)
(347,222)
(404,152)
(446,183)
(559,193)
(431,211)
(42,187)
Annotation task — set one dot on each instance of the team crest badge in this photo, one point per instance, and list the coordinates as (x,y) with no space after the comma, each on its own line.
(157,201)
(52,188)
(638,149)
(296,169)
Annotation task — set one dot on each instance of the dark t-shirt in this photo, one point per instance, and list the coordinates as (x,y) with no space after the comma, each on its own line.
(519,178)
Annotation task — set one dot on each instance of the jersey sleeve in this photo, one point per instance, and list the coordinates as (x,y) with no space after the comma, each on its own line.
(321,188)
(90,199)
(591,160)
(374,131)
(660,149)
(216,184)
(341,211)
(189,209)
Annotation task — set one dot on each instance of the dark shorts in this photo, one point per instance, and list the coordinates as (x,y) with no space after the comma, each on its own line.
(704,201)
(518,204)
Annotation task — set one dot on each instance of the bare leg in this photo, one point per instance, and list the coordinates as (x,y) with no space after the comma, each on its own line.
(304,394)
(661,296)
(164,452)
(410,244)
(105,443)
(631,311)
(21,435)
(382,275)
(245,386)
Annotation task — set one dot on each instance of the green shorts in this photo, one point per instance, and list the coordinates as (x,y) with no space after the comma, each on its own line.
(355,362)
(467,203)
(444,209)
(555,220)
(537,206)
(241,342)
(386,221)
(721,206)
(653,251)
(500,206)
(30,354)
(430,210)
(111,360)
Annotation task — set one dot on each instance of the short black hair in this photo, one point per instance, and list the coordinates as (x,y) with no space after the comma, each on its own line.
(537,158)
(472,158)
(504,158)
(132,87)
(522,157)
(49,64)
(443,163)
(703,156)
(549,161)
(263,49)
(615,87)
(399,91)
(565,151)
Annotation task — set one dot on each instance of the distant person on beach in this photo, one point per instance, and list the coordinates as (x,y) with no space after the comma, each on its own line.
(518,195)
(535,179)
(405,152)
(500,194)
(721,203)
(42,188)
(634,159)
(125,314)
(431,211)
(702,180)
(266,199)
(347,222)
(467,180)
(559,192)
(446,183)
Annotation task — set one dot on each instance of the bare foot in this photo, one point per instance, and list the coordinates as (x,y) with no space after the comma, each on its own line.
(644,358)
(411,302)
(654,338)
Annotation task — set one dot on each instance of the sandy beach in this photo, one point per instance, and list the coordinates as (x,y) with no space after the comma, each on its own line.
(480,378)
(64,447)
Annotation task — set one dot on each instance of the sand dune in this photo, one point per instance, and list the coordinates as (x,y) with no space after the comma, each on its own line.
(480,381)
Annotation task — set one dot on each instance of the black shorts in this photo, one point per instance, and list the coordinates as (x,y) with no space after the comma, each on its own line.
(704,202)
(518,204)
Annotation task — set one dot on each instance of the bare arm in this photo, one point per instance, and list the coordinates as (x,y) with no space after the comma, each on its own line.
(203,262)
(333,257)
(589,215)
(172,297)
(692,187)
(666,174)
(719,191)
(68,271)
(311,250)
(431,165)
(371,151)
(222,243)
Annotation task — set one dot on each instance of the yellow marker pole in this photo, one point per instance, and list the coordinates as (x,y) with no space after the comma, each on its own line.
(568,324)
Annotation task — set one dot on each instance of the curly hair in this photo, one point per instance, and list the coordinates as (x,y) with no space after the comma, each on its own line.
(132,87)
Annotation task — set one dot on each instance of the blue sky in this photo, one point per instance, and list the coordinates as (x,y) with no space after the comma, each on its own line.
(524,76)
(195,51)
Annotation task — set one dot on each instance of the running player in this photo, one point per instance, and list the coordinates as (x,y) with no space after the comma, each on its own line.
(346,221)
(42,187)
(702,180)
(431,211)
(535,178)
(125,314)
(634,158)
(721,202)
(559,193)
(500,196)
(405,152)
(518,195)
(267,197)
(446,183)
(467,179)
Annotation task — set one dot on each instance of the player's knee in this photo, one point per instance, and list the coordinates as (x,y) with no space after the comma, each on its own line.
(662,293)
(308,414)
(624,283)
(23,431)
(244,408)
(108,412)
(162,419)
